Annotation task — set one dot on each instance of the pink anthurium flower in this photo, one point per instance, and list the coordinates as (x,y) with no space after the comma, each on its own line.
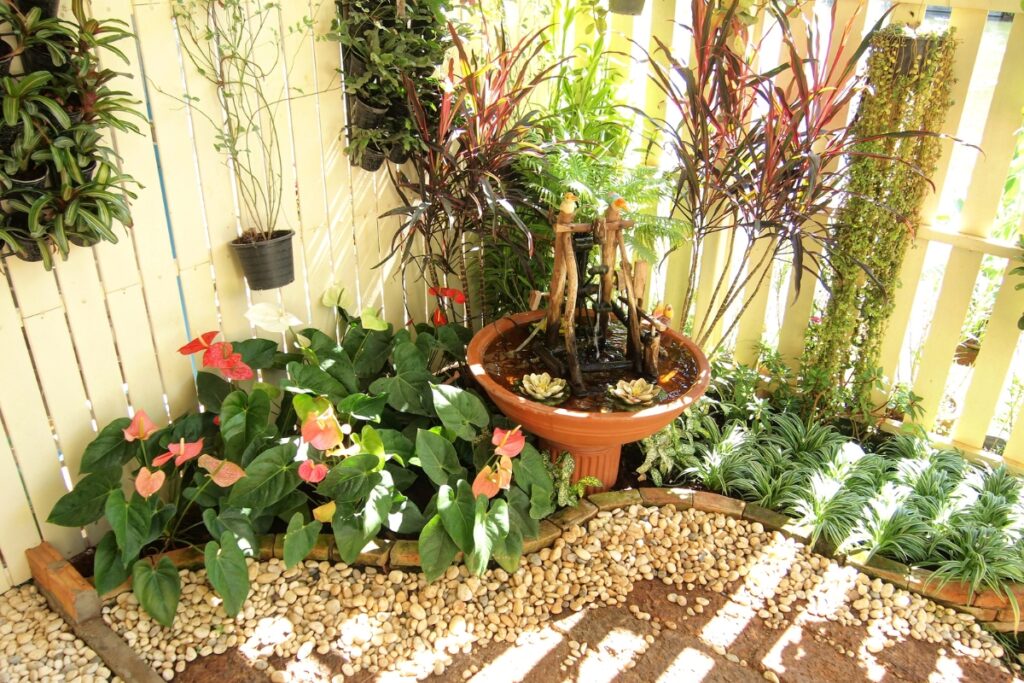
(140,428)
(198,344)
(321,430)
(223,472)
(313,472)
(217,355)
(237,370)
(148,482)
(508,442)
(486,483)
(182,452)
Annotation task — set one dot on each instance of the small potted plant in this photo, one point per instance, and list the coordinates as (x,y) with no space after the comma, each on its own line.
(628,7)
(227,43)
(366,148)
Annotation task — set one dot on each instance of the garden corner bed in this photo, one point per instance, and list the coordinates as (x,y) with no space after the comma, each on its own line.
(681,578)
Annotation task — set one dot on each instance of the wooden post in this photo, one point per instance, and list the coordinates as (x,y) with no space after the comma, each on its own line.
(558,278)
(607,233)
(635,345)
(569,317)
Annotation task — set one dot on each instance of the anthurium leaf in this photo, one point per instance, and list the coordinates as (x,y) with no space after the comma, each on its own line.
(457,509)
(530,473)
(268,479)
(519,506)
(490,523)
(339,366)
(396,443)
(313,379)
(405,518)
(352,479)
(158,589)
(243,419)
(227,572)
(130,520)
(363,407)
(437,549)
(348,533)
(299,539)
(438,458)
(408,390)
(235,521)
(370,442)
(508,551)
(258,354)
(459,410)
(108,570)
(367,349)
(375,511)
(212,390)
(109,448)
(450,339)
(369,320)
(84,504)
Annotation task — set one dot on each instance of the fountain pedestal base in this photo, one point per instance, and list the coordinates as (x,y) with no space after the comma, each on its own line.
(591,461)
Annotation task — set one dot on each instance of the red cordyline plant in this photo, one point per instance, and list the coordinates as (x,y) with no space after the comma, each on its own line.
(459,182)
(761,156)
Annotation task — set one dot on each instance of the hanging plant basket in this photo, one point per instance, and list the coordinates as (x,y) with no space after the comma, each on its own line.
(354,66)
(630,7)
(398,154)
(49,8)
(371,159)
(967,352)
(5,58)
(366,115)
(911,52)
(267,264)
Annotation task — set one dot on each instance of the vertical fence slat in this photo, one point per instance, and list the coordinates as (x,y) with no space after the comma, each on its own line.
(938,349)
(993,363)
(28,426)
(1014,451)
(20,530)
(903,307)
(1004,119)
(750,328)
(714,267)
(969,25)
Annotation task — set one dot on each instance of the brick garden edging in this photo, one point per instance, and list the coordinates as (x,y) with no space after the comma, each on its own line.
(77,601)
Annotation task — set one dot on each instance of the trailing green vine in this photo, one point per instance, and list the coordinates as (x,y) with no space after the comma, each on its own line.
(909,83)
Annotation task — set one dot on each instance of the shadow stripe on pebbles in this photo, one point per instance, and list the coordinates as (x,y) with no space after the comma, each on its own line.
(323,621)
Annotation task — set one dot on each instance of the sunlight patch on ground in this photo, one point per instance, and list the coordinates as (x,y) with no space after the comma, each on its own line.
(604,662)
(790,637)
(515,663)
(946,671)
(761,582)
(828,596)
(691,666)
(269,632)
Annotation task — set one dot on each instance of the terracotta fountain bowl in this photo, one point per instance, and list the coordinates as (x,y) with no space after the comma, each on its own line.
(594,439)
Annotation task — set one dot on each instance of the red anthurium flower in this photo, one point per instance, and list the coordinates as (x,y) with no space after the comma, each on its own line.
(486,483)
(508,442)
(439,318)
(223,472)
(321,430)
(216,420)
(236,369)
(140,428)
(313,472)
(148,482)
(182,452)
(456,295)
(434,291)
(217,355)
(198,344)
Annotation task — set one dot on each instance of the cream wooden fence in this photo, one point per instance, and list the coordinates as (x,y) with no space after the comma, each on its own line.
(96,338)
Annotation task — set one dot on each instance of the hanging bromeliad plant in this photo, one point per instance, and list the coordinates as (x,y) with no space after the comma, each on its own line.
(909,81)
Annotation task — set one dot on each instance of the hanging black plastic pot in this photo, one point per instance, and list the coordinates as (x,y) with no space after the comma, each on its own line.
(398,154)
(366,115)
(912,51)
(49,8)
(36,58)
(630,7)
(267,264)
(371,160)
(33,178)
(5,57)
(354,66)
(83,240)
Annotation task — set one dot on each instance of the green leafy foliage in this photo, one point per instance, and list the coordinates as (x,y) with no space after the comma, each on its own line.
(158,589)
(299,539)
(228,573)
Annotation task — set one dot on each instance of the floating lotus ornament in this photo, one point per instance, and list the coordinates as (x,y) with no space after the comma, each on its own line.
(544,388)
(634,394)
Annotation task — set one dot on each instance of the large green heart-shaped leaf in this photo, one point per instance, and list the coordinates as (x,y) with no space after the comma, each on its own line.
(490,524)
(457,509)
(243,419)
(212,390)
(437,549)
(438,457)
(508,551)
(268,479)
(530,473)
(408,390)
(109,448)
(108,570)
(363,407)
(84,504)
(405,517)
(299,539)
(367,349)
(158,589)
(227,572)
(352,479)
(519,505)
(459,410)
(258,354)
(130,520)
(235,521)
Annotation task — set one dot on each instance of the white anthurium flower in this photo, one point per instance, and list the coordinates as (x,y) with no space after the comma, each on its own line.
(271,317)
(302,341)
(332,296)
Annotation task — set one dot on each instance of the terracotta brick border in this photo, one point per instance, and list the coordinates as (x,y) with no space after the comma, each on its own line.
(75,598)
